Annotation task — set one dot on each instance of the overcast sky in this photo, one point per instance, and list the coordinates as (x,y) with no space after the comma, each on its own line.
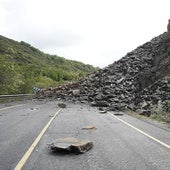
(96,32)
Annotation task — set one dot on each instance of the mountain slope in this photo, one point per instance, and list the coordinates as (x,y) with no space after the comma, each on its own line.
(23,66)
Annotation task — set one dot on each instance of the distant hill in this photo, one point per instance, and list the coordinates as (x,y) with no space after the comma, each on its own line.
(23,66)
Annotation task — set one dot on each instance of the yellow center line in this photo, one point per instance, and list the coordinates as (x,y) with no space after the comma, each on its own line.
(34,144)
(10,107)
(142,132)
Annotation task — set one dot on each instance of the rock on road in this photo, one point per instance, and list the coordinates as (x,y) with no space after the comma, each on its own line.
(116,145)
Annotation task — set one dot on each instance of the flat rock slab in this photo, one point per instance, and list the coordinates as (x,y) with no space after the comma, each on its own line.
(70,144)
(89,127)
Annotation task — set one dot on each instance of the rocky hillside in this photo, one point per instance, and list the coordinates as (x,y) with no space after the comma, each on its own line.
(23,66)
(138,81)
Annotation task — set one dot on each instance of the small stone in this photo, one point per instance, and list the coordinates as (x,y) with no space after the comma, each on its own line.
(131,106)
(89,127)
(144,112)
(100,104)
(118,114)
(62,105)
(84,101)
(120,80)
(103,111)
(76,92)
(70,144)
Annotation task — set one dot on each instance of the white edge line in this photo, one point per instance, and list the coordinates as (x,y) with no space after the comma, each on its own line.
(34,144)
(142,132)
(10,107)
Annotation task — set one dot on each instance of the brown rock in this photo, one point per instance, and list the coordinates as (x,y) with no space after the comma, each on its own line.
(70,144)
(89,127)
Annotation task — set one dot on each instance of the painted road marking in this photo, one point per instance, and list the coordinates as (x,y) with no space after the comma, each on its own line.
(10,107)
(34,144)
(142,132)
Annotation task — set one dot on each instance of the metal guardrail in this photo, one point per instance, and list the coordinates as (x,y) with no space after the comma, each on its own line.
(13,97)
(16,95)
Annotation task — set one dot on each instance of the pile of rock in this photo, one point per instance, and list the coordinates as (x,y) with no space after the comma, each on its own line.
(137,81)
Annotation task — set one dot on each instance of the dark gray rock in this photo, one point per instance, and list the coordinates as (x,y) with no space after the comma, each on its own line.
(144,112)
(100,104)
(76,92)
(118,114)
(62,105)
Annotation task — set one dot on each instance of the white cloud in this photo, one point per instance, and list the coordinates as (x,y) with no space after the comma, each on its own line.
(92,31)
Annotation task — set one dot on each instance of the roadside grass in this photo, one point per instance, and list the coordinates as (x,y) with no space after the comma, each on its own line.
(162,119)
(159,114)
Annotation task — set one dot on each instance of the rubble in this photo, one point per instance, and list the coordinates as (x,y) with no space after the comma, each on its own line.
(137,81)
(70,144)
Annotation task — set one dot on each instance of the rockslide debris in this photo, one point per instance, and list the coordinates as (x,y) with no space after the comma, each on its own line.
(138,81)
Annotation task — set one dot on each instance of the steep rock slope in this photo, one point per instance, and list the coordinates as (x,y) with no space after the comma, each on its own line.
(137,81)
(125,80)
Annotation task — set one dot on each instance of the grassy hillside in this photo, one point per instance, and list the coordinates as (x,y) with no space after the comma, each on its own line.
(22,67)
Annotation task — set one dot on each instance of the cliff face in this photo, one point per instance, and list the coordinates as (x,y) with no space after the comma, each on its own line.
(160,66)
(168,29)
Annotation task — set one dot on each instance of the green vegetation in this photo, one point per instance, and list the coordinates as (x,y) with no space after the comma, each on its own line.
(22,67)
(161,114)
(163,117)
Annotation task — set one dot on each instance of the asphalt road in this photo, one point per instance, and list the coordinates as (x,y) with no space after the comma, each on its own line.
(20,123)
(120,142)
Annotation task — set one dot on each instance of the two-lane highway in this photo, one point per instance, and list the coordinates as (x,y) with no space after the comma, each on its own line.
(116,145)
(120,142)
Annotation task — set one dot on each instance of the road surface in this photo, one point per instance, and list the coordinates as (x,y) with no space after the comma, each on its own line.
(120,142)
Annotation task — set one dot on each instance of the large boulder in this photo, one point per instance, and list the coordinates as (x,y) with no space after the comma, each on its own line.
(70,144)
